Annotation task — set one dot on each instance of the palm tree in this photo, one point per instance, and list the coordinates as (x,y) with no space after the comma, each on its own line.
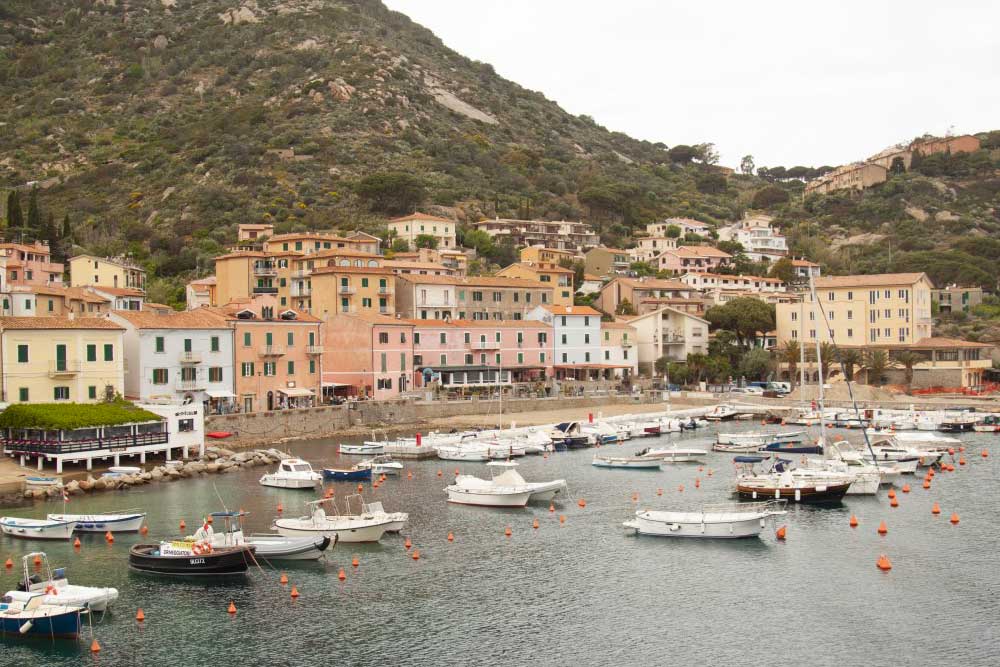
(908,359)
(877,361)
(849,358)
(789,354)
(827,353)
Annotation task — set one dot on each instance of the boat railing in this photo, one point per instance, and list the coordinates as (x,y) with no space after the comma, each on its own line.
(762,507)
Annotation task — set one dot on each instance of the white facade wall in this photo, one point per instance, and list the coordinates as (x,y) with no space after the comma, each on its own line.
(577,338)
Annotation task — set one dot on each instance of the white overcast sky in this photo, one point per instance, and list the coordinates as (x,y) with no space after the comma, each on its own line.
(789,82)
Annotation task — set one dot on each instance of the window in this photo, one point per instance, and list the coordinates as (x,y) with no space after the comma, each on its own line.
(564,339)
(497,297)
(91,352)
(607,335)
(385,364)
(443,338)
(364,282)
(247,339)
(850,333)
(291,339)
(22,354)
(829,296)
(189,374)
(888,313)
(812,333)
(416,338)
(61,393)
(291,368)
(443,359)
(92,392)
(477,296)
(607,355)
(873,334)
(812,315)
(51,305)
(214,344)
(520,357)
(402,361)
(497,358)
(541,357)
(468,360)
(586,356)
(625,355)
(795,333)
(586,320)
(383,338)
(160,375)
(564,357)
(215,374)
(562,320)
(850,314)
(543,338)
(586,339)
(270,368)
(185,425)
(247,370)
(482,359)
(832,313)
(872,315)
(887,294)
(22,394)
(366,302)
(109,352)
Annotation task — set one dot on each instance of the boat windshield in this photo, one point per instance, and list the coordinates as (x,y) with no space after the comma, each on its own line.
(304,467)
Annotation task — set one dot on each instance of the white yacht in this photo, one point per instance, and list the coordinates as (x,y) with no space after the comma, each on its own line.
(728,521)
(345,527)
(293,474)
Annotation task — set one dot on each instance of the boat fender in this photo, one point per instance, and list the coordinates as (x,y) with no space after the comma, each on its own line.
(754,495)
(25,628)
(821,488)
(798,495)
(777,493)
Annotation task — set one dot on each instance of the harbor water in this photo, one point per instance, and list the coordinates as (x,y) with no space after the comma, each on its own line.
(580,592)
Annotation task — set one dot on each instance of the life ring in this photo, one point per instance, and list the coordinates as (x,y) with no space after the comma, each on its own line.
(201,548)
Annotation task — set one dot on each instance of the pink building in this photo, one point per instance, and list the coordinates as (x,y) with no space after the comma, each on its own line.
(685,258)
(368,355)
(30,264)
(473,353)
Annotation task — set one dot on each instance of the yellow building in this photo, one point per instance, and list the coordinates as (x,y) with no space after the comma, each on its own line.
(308,243)
(338,290)
(553,275)
(113,272)
(248,273)
(60,359)
(537,254)
(881,309)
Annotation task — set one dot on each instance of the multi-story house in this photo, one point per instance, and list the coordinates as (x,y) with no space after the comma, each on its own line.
(471,298)
(454,260)
(53,301)
(464,353)
(576,331)
(857,176)
(410,227)
(685,225)
(607,262)
(538,254)
(368,355)
(308,243)
(953,299)
(691,258)
(114,272)
(121,298)
(30,264)
(560,278)
(669,333)
(200,292)
(618,350)
(758,237)
(804,270)
(344,290)
(965,143)
(645,295)
(560,235)
(278,354)
(650,247)
(751,284)
(179,357)
(404,266)
(60,359)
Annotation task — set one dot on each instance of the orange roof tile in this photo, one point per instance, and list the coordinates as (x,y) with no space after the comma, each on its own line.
(877,279)
(420,216)
(15,323)
(199,318)
(570,310)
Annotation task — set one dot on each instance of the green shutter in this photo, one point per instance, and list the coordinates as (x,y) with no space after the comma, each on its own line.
(160,346)
(91,392)
(22,394)
(91,352)
(109,352)
(22,354)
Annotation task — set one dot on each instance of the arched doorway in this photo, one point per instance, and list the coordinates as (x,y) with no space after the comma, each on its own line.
(270,400)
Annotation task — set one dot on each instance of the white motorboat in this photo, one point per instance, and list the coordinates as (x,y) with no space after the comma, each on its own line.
(636,462)
(37,529)
(268,546)
(471,490)
(508,476)
(381,464)
(397,520)
(292,474)
(346,528)
(122,471)
(673,454)
(712,521)
(34,480)
(759,438)
(463,453)
(722,413)
(123,521)
(602,433)
(367,448)
(56,588)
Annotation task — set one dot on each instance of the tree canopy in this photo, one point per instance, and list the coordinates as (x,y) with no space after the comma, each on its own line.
(744,316)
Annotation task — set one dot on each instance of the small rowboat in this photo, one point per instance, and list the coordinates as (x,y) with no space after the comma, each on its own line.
(218,435)
(637,462)
(42,481)
(38,529)
(347,475)
(122,522)
(366,448)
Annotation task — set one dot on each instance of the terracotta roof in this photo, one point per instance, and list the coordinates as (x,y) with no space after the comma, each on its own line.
(72,293)
(942,342)
(623,252)
(404,264)
(420,216)
(199,318)
(570,310)
(149,305)
(696,251)
(57,323)
(877,279)
(616,325)
(351,269)
(210,280)
(803,262)
(259,254)
(538,269)
(734,277)
(117,291)
(473,281)
(652,283)
(313,236)
(339,252)
(373,318)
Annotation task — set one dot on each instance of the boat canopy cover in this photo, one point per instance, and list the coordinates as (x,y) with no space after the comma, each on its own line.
(565,426)
(748,459)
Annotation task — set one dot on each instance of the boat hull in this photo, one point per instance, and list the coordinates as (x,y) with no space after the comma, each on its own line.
(305,548)
(64,625)
(230,561)
(349,534)
(727,530)
(362,449)
(27,531)
(97,523)
(829,493)
(347,475)
(461,497)
(284,483)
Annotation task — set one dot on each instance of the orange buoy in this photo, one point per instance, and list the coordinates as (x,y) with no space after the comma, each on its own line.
(883,563)
(9,564)
(961,461)
(76,542)
(534,524)
(954,518)
(985,454)
(341,575)
(892,493)
(456,472)
(697,482)
(140,616)
(709,472)
(635,497)
(451,537)
(781,533)
(893,503)
(355,562)
(882,528)
(680,488)
(854,521)
(439,473)
(95,647)
(927,484)
(562,518)
(701,468)
(295,592)
(375,485)
(582,502)
(360,488)
(507,531)
(284,579)
(407,544)
(906,488)
(961,448)
(552,507)
(144,530)
(232,607)
(951,451)
(37,561)
(409,475)
(416,554)
(659,492)
(931,473)
(208,519)
(109,537)
(280,508)
(936,509)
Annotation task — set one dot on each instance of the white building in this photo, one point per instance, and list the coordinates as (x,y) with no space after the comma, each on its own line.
(618,349)
(121,298)
(752,284)
(179,358)
(409,227)
(199,292)
(759,239)
(577,334)
(686,225)
(667,332)
(650,247)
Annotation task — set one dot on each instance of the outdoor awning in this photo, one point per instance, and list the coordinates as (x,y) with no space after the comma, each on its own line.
(296,392)
(336,384)
(220,393)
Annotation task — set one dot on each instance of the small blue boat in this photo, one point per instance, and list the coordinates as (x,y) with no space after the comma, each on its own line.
(348,475)
(35,618)
(793,447)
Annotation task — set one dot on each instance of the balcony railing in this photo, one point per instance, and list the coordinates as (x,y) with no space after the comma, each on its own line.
(190,385)
(626,343)
(265,290)
(265,270)
(314,349)
(190,357)
(344,289)
(272,351)
(113,443)
(385,291)
(301,291)
(484,345)
(63,368)
(301,273)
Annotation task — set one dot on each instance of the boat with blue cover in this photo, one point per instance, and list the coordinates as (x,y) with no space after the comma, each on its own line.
(348,474)
(786,447)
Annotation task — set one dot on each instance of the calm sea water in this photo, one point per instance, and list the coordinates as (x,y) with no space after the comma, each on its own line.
(578,593)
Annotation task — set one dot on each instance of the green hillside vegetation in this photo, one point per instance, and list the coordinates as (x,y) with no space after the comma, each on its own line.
(154,127)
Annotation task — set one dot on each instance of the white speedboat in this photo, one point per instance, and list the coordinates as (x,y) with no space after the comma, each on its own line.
(37,529)
(346,528)
(471,490)
(758,438)
(124,521)
(56,587)
(721,413)
(122,471)
(381,464)
(508,476)
(268,546)
(397,520)
(463,453)
(292,474)
(673,454)
(366,448)
(636,462)
(712,521)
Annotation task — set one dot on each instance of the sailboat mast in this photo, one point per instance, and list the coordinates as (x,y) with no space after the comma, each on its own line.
(802,352)
(819,361)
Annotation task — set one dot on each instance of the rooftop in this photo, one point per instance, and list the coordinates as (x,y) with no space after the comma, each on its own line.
(570,310)
(199,318)
(420,216)
(43,323)
(879,279)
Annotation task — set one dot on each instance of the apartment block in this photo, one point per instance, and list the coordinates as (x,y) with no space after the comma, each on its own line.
(410,227)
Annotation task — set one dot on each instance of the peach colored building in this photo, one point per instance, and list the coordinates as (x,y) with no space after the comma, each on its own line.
(344,290)
(965,143)
(409,227)
(560,278)
(277,355)
(648,294)
(31,264)
(309,243)
(691,258)
(368,355)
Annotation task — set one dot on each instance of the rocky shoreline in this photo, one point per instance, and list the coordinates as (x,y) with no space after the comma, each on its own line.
(215,461)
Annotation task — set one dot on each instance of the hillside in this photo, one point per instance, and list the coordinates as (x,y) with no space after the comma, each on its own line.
(155,126)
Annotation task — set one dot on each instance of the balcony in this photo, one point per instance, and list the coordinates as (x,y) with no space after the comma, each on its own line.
(383,310)
(265,270)
(484,345)
(272,351)
(190,385)
(301,291)
(190,357)
(347,309)
(314,349)
(265,290)
(301,273)
(384,291)
(344,289)
(626,344)
(62,369)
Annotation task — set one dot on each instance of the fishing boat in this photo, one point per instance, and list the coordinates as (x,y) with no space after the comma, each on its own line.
(634,462)
(570,435)
(758,438)
(55,587)
(673,454)
(37,529)
(366,448)
(505,474)
(468,452)
(122,521)
(345,527)
(292,474)
(381,464)
(269,546)
(958,424)
(190,559)
(729,521)
(988,424)
(471,490)
(347,474)
(31,616)
(36,480)
(780,483)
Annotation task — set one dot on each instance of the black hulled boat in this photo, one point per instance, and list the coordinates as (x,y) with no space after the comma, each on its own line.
(173,558)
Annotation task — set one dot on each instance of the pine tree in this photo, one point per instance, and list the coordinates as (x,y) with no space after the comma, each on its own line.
(34,214)
(15,218)
(48,230)
(67,231)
